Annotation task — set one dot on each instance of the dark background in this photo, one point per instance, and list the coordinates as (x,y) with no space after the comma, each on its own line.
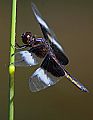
(72,21)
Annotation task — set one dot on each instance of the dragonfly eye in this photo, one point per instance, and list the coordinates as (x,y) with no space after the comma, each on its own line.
(26,37)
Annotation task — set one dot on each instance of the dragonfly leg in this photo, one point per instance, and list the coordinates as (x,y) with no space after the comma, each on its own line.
(18,47)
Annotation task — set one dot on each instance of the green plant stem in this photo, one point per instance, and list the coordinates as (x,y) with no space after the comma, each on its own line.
(11,66)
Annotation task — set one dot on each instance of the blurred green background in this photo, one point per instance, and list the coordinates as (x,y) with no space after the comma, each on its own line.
(72,21)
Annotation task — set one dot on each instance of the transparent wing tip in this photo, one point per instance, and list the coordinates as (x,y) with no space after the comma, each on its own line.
(33,5)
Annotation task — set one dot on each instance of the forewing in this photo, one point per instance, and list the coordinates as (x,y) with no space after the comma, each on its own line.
(49,35)
(47,75)
(40,20)
(47,32)
(26,58)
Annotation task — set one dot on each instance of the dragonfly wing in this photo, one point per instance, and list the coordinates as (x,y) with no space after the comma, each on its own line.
(26,58)
(47,32)
(40,20)
(41,80)
(47,75)
(50,35)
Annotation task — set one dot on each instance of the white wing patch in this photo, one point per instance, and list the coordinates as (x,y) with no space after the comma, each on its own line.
(28,58)
(55,42)
(25,58)
(38,16)
(42,76)
(41,21)
(50,32)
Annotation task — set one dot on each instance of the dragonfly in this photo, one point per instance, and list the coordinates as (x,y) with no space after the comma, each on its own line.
(47,52)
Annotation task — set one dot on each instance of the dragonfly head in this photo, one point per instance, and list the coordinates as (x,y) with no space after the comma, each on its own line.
(27,38)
